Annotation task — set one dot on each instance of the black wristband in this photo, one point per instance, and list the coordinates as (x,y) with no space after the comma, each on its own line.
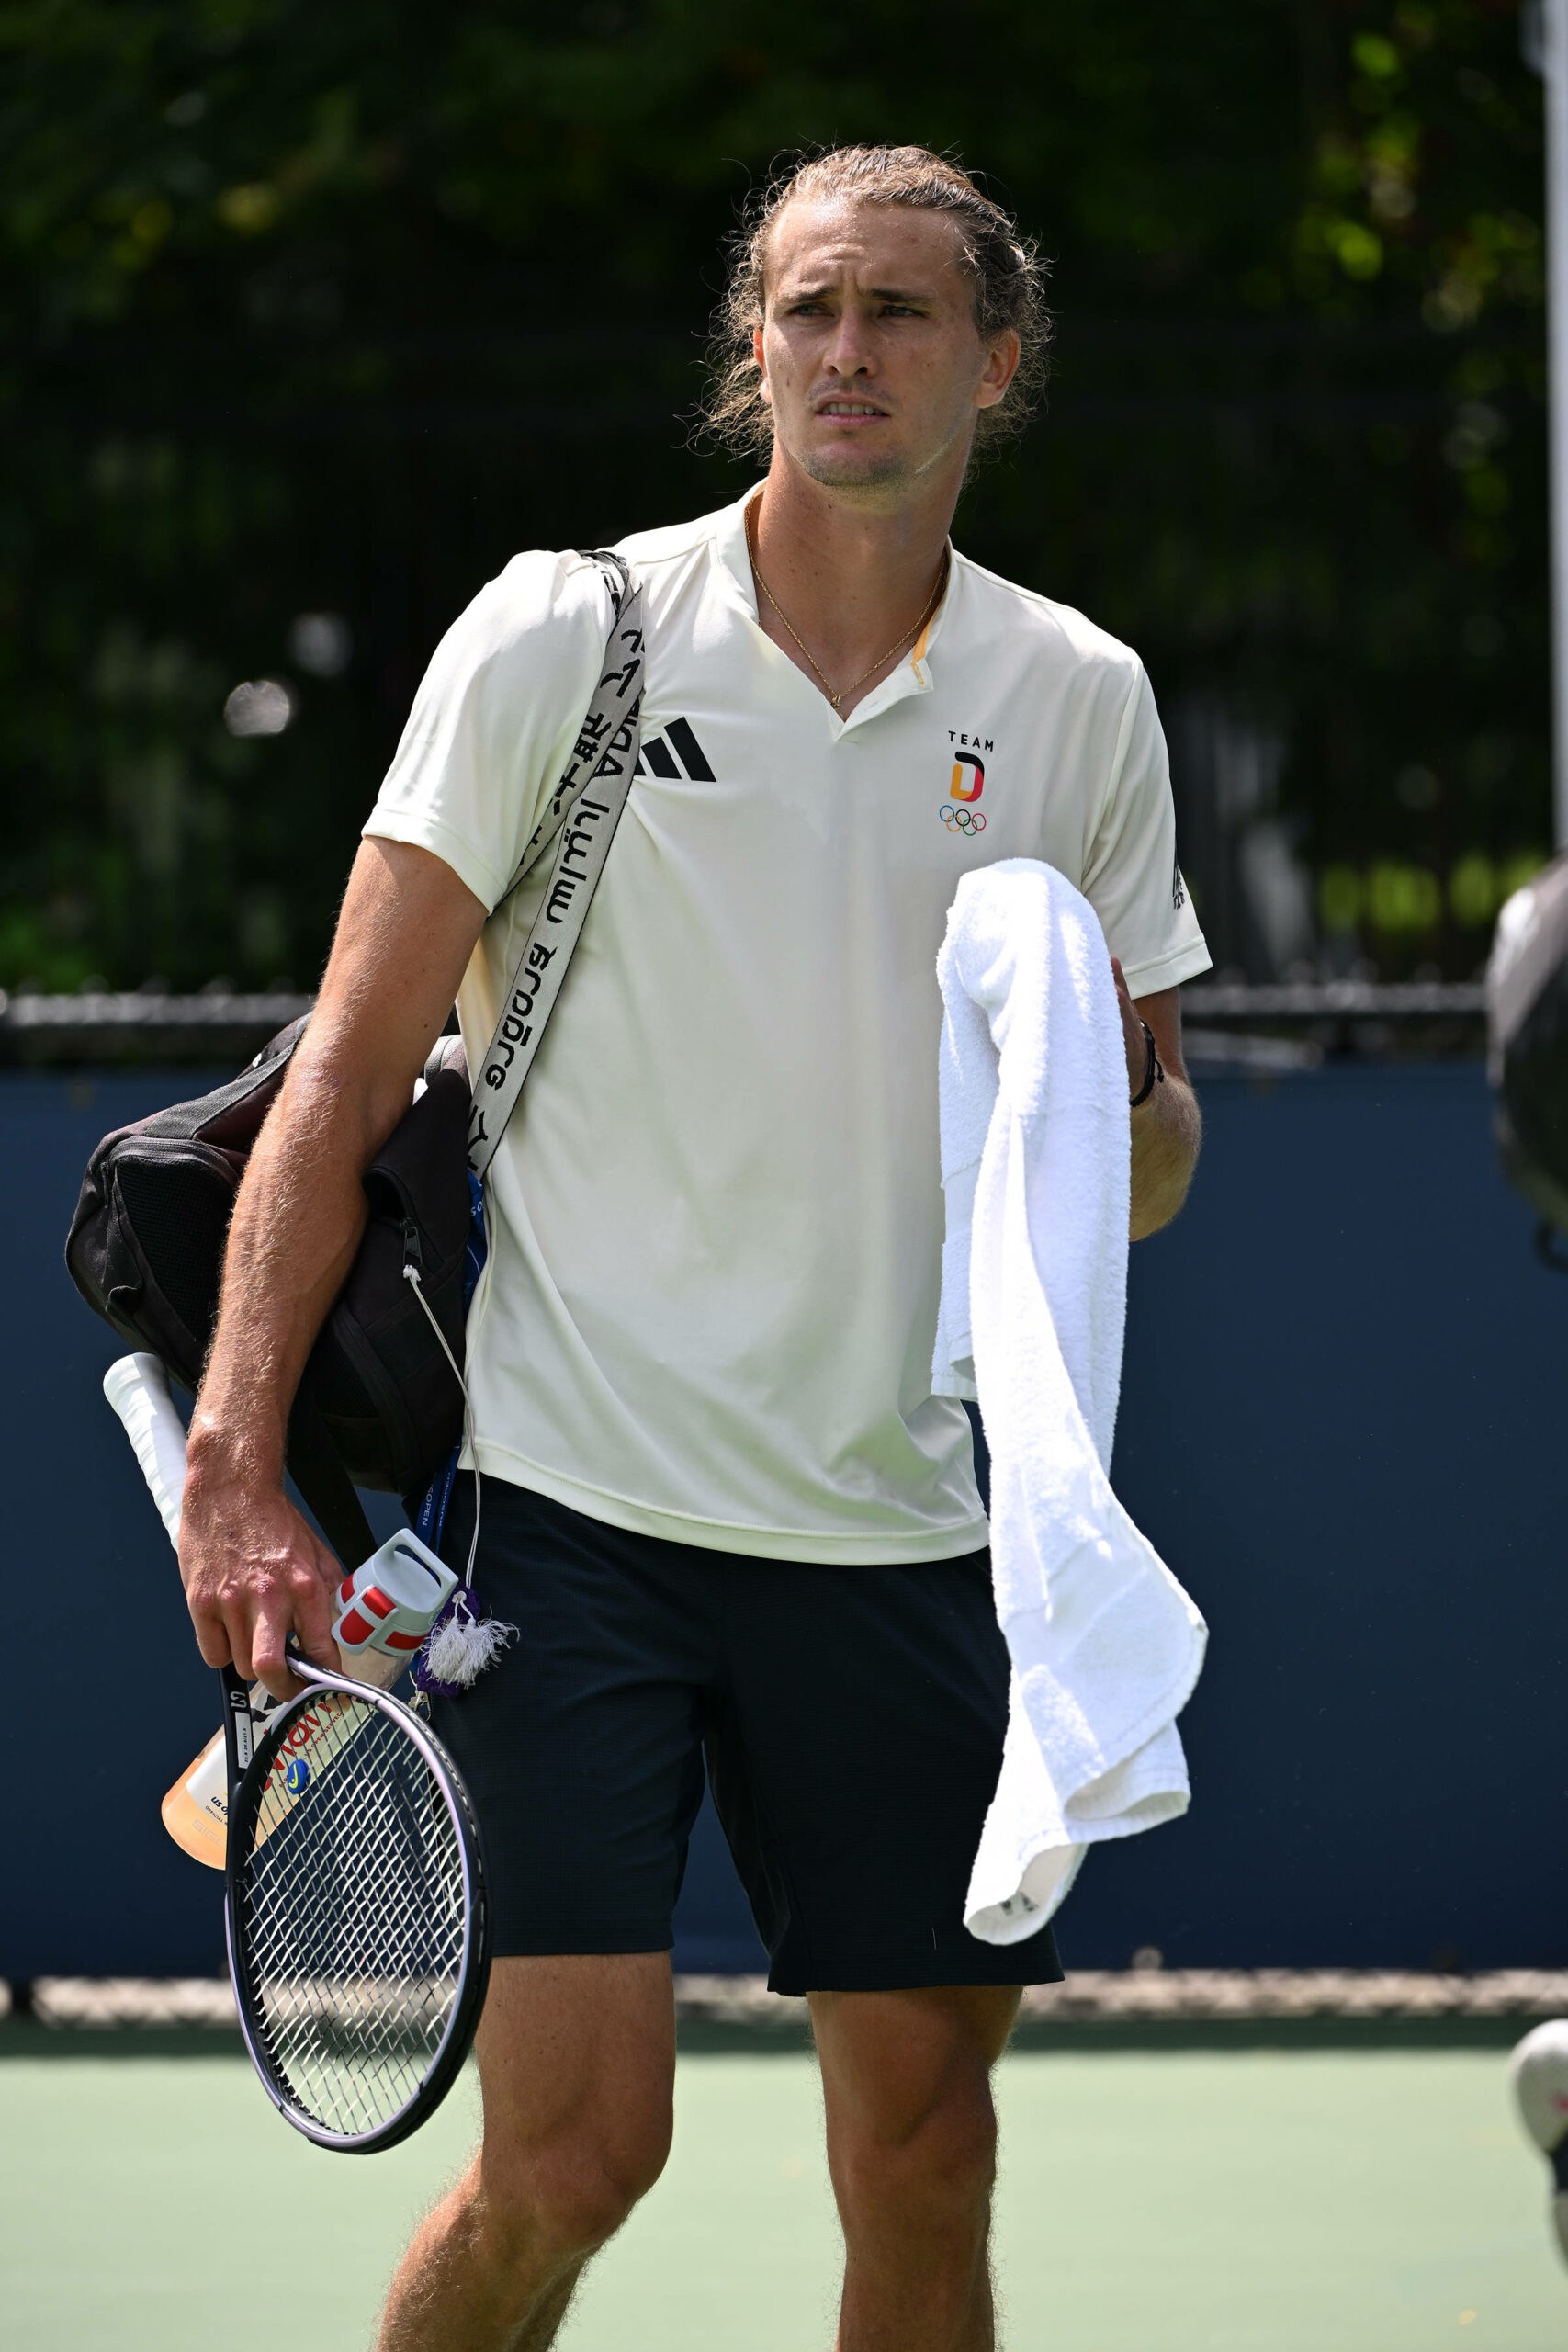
(1153,1074)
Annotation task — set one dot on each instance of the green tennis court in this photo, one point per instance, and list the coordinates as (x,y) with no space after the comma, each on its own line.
(1272,2200)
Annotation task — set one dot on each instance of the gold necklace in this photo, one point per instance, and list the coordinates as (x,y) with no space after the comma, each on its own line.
(897,647)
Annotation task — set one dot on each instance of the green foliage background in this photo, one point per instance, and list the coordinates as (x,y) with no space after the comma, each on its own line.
(333,308)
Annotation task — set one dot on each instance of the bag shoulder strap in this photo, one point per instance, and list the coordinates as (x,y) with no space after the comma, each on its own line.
(316,1467)
(580,817)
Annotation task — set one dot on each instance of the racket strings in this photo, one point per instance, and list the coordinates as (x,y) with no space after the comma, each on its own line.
(355,2017)
(352,1917)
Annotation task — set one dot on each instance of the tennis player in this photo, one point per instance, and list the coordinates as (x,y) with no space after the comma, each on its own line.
(719,1502)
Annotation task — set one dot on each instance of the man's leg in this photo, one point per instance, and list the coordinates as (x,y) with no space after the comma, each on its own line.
(912,2148)
(577,2061)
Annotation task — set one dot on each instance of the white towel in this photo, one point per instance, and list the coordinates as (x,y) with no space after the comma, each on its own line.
(1105,1645)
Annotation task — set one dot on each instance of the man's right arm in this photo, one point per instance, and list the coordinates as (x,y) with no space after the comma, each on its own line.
(252,1568)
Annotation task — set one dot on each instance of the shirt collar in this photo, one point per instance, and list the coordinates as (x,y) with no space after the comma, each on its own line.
(913,674)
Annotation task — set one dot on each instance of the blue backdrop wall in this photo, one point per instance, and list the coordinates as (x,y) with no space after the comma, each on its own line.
(1342,1422)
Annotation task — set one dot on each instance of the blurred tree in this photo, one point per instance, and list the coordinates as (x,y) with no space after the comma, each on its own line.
(312,316)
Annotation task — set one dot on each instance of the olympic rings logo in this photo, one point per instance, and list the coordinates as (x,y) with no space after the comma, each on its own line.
(962,820)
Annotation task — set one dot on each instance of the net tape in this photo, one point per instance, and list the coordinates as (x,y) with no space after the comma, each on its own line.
(353,1918)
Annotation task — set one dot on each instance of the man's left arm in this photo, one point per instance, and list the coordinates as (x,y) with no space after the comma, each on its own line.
(1167,1126)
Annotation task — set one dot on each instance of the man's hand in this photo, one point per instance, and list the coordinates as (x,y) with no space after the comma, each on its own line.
(1167,1126)
(253,1571)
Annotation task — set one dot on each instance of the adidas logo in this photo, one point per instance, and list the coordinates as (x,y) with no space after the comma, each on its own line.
(674,752)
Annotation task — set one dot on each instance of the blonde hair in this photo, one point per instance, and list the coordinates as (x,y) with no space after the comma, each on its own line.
(1006,271)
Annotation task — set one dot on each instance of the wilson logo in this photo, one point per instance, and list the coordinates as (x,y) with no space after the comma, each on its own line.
(674,752)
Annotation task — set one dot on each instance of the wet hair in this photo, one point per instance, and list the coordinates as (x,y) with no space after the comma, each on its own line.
(1005,269)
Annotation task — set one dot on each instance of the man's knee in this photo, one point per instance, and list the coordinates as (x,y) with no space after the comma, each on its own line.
(570,2195)
(907,2076)
(577,2061)
(938,2165)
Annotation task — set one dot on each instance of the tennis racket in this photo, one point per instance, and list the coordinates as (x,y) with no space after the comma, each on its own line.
(359,1929)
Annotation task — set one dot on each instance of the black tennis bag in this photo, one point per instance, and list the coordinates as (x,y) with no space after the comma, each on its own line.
(377,1405)
(1527,1002)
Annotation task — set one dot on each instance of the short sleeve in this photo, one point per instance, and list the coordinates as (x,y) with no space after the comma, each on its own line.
(1131,875)
(494,719)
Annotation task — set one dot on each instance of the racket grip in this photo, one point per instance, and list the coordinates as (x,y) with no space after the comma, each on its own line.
(385,1609)
(138,1388)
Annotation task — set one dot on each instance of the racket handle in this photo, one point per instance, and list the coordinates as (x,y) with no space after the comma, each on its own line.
(196,1810)
(388,1605)
(138,1388)
(385,1609)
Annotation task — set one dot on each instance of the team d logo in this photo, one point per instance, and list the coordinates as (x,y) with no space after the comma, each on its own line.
(968,782)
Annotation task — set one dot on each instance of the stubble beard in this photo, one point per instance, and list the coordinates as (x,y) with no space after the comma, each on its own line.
(851,470)
(847,471)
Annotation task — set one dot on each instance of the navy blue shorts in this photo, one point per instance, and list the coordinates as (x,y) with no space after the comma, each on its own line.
(851,1720)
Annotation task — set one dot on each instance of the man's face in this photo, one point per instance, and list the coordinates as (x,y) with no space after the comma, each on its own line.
(872,363)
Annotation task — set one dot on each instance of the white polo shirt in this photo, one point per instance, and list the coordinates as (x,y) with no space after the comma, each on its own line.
(717,1217)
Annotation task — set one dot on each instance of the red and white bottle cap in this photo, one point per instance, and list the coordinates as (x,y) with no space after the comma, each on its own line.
(391,1600)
